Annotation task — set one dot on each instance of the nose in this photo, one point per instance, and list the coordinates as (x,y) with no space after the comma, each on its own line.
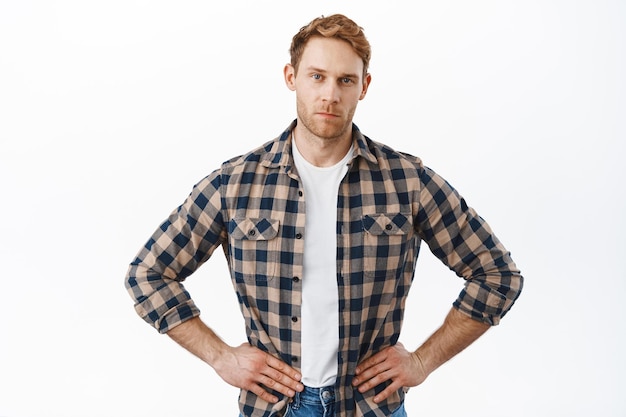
(330,92)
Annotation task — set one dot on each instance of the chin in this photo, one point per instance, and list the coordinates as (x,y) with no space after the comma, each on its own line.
(330,132)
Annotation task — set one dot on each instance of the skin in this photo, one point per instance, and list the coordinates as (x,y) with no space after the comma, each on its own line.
(328,83)
(243,366)
(409,369)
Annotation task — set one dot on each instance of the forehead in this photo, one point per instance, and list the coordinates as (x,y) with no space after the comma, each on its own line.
(332,55)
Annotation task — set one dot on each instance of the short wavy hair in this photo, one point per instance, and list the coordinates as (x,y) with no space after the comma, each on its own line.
(335,26)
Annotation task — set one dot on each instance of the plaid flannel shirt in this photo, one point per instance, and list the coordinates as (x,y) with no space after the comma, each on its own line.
(253,206)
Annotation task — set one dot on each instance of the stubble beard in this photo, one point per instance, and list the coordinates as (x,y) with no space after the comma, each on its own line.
(327,130)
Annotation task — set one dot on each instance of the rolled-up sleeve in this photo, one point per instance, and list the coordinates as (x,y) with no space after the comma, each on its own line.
(183,242)
(463,241)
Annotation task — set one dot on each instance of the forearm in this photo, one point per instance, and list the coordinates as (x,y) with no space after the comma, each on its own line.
(456,333)
(245,367)
(199,339)
(405,369)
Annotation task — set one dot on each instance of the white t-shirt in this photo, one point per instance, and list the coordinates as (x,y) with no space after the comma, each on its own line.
(320,299)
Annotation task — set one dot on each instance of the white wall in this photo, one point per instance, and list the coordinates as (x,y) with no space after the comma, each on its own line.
(110,111)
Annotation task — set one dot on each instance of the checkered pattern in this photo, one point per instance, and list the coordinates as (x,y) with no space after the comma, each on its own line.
(388,203)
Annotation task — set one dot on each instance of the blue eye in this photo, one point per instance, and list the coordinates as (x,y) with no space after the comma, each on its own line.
(316,77)
(346,80)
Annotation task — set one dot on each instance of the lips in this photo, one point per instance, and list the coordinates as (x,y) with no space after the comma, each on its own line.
(327,115)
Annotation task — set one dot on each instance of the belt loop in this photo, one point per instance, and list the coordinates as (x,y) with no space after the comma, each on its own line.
(295,403)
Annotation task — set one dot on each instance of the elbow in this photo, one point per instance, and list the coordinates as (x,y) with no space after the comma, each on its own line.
(513,290)
(490,297)
(509,288)
(132,284)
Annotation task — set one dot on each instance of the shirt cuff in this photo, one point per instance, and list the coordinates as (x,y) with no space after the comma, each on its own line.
(482,303)
(167,307)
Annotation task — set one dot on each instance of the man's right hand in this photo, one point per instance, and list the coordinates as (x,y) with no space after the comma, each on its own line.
(250,368)
(245,366)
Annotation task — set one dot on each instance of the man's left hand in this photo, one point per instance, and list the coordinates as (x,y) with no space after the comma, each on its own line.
(395,364)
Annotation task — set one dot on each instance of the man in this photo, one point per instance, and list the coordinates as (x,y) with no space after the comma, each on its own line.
(321,228)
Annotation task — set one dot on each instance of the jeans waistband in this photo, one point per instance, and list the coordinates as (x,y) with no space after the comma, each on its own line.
(322,395)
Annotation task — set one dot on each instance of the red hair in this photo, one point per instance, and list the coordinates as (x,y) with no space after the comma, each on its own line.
(336,26)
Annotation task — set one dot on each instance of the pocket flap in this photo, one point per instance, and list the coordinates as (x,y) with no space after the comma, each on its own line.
(387,224)
(253,229)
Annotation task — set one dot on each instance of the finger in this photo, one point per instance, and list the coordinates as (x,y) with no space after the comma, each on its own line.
(370,373)
(374,381)
(281,366)
(393,387)
(263,394)
(371,361)
(282,373)
(276,386)
(282,379)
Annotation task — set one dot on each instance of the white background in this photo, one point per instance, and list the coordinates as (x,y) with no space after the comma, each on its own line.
(111,111)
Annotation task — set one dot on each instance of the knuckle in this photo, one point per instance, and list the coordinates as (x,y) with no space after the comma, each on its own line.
(376,370)
(253,387)
(376,380)
(269,382)
(265,395)
(276,375)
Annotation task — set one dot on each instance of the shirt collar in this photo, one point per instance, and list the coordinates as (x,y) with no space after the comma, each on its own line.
(278,152)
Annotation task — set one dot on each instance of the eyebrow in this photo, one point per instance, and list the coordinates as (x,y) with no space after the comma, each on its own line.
(322,71)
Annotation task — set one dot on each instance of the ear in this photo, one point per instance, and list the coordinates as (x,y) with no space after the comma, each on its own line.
(366,83)
(290,77)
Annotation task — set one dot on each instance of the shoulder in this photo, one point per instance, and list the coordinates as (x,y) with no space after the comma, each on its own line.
(386,155)
(252,157)
(263,158)
(271,154)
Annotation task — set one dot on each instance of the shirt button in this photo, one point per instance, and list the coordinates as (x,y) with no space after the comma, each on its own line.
(252,233)
(298,235)
(294,359)
(295,279)
(300,193)
(389,227)
(294,319)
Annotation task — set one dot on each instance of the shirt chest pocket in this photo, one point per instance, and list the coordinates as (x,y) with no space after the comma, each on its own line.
(254,248)
(386,242)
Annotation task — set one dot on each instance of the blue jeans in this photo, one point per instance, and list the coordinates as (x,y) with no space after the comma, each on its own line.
(320,402)
(312,402)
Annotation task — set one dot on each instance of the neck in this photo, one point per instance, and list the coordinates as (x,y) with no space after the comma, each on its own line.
(322,152)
